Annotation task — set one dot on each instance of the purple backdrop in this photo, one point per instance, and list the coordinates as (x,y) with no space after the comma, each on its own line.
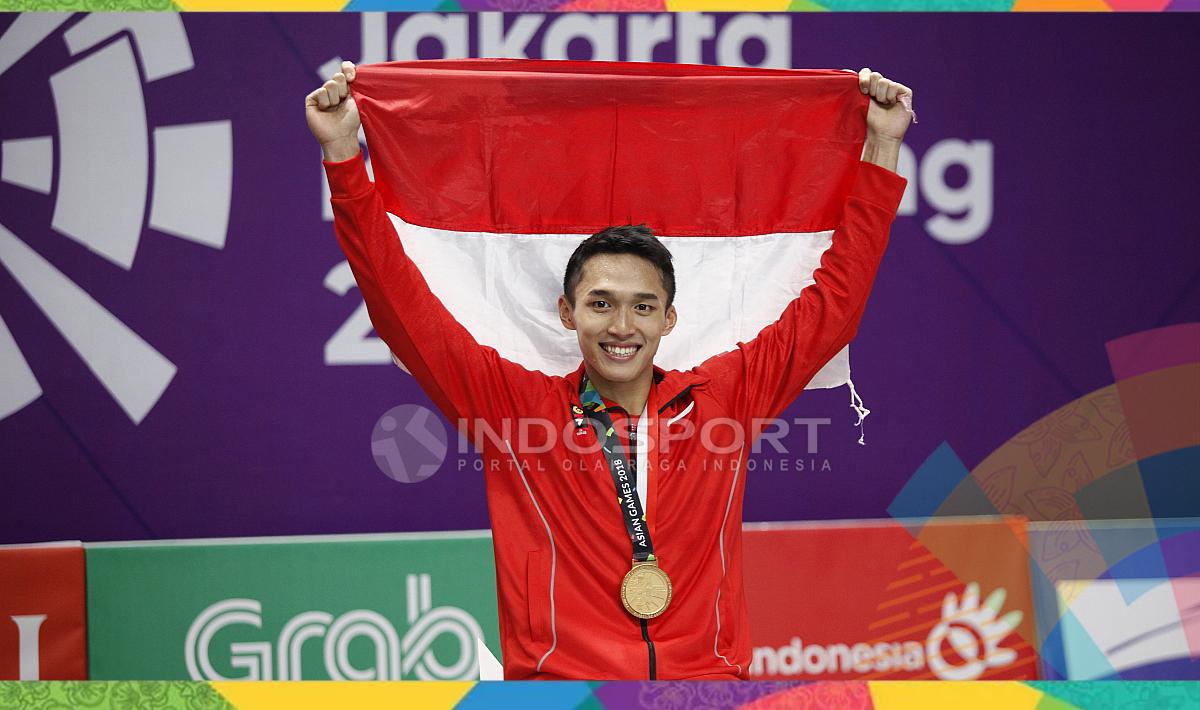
(1092,235)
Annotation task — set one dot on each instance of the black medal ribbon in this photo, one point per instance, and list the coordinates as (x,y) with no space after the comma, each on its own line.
(624,478)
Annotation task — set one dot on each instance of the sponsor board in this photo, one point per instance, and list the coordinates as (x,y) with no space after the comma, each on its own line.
(42,627)
(866,600)
(386,607)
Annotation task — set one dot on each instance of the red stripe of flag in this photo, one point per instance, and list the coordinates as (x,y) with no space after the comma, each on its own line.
(527,146)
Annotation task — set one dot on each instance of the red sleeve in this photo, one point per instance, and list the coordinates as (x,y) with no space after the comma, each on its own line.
(759,379)
(465,379)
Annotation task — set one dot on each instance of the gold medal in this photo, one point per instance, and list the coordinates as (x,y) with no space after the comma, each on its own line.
(646,590)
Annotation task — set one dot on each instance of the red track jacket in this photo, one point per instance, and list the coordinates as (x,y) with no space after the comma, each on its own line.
(560,543)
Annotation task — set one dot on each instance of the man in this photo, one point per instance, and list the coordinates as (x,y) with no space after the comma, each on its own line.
(650,587)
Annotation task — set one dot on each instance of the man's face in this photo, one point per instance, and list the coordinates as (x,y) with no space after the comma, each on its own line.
(620,313)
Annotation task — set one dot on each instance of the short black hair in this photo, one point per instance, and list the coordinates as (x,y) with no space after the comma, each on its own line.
(626,239)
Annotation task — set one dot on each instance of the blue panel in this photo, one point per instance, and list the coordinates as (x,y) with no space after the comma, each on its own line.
(393,5)
(1172,482)
(931,484)
(525,694)
(1131,551)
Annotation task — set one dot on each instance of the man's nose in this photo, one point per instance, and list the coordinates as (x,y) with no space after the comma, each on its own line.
(621,324)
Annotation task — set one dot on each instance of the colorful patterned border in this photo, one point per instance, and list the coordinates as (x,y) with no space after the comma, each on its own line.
(610,5)
(667,695)
(1120,453)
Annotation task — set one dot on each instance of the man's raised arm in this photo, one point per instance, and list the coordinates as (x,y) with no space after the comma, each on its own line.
(466,380)
(760,378)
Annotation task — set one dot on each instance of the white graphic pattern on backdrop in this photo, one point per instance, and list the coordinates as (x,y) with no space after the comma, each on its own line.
(103,175)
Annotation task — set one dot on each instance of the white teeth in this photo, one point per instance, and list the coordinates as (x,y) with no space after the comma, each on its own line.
(620,351)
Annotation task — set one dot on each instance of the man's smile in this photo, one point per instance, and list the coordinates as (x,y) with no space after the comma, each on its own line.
(620,353)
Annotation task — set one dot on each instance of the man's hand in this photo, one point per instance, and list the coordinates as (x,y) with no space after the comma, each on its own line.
(887,117)
(333,116)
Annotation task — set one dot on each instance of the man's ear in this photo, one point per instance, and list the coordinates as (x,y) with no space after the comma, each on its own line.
(564,313)
(672,316)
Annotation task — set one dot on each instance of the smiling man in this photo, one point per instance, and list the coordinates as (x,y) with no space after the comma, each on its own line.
(650,587)
(618,295)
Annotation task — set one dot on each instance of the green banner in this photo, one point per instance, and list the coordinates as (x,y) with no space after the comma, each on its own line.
(381,607)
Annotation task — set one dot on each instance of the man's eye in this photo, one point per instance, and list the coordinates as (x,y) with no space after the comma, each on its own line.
(600,304)
(644,307)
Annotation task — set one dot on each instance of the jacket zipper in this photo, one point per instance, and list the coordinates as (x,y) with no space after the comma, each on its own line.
(650,648)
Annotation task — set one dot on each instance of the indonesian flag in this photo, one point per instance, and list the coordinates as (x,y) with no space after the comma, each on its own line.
(493,170)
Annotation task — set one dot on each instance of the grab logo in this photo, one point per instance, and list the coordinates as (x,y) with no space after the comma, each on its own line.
(115,179)
(963,645)
(392,656)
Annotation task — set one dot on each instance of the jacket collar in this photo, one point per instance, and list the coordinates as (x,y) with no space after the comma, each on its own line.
(671,383)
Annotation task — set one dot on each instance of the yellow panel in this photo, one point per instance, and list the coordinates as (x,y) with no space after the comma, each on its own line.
(260,5)
(953,695)
(319,695)
(728,5)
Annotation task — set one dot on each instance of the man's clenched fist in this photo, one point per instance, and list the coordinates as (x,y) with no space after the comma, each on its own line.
(888,116)
(333,116)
